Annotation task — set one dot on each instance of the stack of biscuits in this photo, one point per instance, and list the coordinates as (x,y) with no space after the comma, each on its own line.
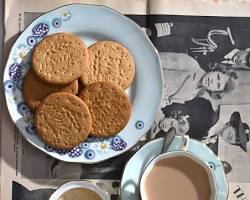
(77,91)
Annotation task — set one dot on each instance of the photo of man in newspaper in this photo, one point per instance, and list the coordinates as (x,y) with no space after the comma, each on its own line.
(234,132)
(231,134)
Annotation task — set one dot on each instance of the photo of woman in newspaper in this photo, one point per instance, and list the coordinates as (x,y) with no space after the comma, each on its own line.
(185,80)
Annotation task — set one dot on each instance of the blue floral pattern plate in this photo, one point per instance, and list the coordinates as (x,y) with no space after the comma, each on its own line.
(91,23)
(130,184)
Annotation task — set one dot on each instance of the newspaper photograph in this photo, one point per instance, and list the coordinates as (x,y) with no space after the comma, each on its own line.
(205,63)
(206,69)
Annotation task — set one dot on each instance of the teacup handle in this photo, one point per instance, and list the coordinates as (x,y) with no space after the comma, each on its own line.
(184,143)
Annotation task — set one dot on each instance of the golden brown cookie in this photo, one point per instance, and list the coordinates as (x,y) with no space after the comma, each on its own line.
(109,106)
(60,58)
(35,90)
(62,120)
(109,61)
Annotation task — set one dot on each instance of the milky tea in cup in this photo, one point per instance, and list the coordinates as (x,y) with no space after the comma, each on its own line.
(178,176)
(80,194)
(79,190)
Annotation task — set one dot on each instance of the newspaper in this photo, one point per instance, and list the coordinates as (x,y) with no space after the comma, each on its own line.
(208,101)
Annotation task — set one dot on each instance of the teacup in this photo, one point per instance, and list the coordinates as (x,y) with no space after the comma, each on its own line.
(77,189)
(178,175)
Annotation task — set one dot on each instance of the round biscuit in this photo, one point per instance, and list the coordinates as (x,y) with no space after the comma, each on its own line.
(35,90)
(60,58)
(109,106)
(62,120)
(109,61)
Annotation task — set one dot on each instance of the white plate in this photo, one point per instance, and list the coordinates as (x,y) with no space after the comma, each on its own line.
(91,23)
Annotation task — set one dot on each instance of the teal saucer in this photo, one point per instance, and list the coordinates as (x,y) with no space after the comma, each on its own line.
(130,184)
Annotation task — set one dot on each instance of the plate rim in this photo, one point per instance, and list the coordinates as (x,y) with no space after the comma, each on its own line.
(152,47)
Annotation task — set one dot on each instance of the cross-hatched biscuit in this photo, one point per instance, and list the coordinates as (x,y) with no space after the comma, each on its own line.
(60,58)
(35,90)
(109,106)
(109,61)
(63,120)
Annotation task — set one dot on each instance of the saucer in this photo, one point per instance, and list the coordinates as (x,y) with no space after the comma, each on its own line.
(130,184)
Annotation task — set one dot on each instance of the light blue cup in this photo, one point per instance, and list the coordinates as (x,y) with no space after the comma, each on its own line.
(181,152)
